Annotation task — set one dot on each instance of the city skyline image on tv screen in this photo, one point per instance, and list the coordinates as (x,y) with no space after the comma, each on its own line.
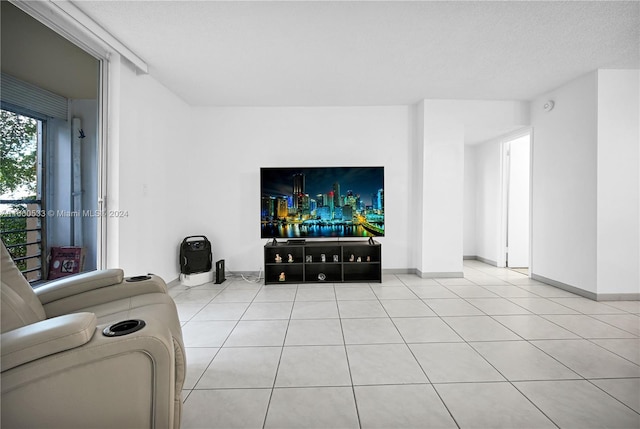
(318,202)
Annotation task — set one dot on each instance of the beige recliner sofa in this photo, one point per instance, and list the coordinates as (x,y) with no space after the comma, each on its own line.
(67,362)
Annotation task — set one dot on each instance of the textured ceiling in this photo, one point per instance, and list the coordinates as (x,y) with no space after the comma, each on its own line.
(314,53)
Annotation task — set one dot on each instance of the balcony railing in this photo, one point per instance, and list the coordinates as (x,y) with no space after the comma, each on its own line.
(21,223)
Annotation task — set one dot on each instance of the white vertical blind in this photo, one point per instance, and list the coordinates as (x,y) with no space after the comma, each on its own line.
(17,93)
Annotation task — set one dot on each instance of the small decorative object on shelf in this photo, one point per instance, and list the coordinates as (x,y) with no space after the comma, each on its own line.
(359,259)
(368,258)
(281,277)
(323,257)
(278,257)
(336,258)
(352,258)
(309,258)
(290,258)
(322,277)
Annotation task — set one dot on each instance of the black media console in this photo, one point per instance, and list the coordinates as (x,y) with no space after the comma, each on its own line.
(322,262)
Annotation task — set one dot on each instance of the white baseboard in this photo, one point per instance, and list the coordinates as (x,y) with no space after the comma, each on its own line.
(584,293)
(399,271)
(440,274)
(487,261)
(619,297)
(481,259)
(564,286)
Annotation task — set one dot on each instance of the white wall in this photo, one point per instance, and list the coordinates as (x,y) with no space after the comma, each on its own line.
(442,199)
(469,212)
(417,181)
(149,153)
(177,170)
(586,189)
(618,214)
(231,144)
(564,184)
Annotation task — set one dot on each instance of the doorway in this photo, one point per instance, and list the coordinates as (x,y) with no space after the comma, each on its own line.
(516,187)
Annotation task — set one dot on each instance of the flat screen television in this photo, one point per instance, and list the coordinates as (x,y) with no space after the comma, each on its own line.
(322,202)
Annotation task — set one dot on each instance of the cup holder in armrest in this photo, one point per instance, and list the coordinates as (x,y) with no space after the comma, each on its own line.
(138,278)
(123,328)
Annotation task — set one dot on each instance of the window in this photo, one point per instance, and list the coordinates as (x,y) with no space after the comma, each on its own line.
(67,100)
(22,212)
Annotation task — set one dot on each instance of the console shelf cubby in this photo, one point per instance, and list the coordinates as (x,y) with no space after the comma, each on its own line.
(322,262)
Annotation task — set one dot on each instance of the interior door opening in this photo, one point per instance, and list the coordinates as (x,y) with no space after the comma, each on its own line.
(517,174)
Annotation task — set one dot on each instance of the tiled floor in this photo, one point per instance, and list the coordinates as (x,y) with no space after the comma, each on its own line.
(493,350)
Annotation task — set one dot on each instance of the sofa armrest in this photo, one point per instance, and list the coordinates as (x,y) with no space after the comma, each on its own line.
(108,382)
(82,291)
(79,283)
(50,336)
